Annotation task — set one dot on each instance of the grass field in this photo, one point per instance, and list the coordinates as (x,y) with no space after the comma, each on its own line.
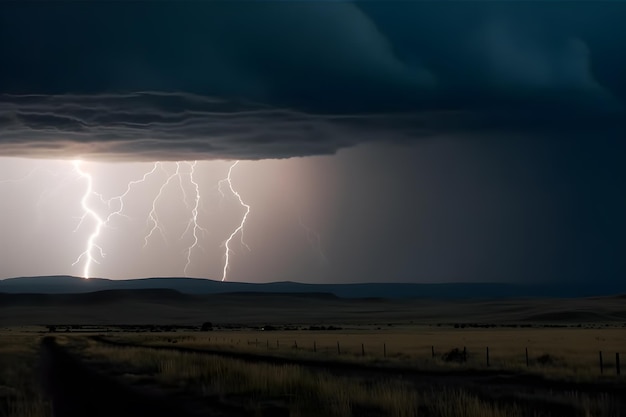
(20,391)
(571,353)
(301,391)
(307,392)
(375,361)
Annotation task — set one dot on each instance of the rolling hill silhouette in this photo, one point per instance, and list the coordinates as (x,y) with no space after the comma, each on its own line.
(72,285)
(186,301)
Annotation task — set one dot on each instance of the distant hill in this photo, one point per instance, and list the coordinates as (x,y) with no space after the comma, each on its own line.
(94,298)
(170,307)
(73,285)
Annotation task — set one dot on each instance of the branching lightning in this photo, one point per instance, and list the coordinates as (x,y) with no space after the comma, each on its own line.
(153,216)
(193,221)
(120,198)
(101,211)
(239,229)
(88,212)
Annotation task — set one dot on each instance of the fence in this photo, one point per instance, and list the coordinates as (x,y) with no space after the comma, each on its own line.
(455,355)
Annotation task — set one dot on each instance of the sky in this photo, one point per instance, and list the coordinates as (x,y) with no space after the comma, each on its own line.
(379,141)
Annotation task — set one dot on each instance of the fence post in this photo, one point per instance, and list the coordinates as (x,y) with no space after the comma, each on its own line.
(432,351)
(384,350)
(601,363)
(338,349)
(487,356)
(362,349)
(527,357)
(617,367)
(295,344)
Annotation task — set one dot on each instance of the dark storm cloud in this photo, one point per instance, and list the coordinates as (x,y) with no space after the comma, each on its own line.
(177,126)
(279,79)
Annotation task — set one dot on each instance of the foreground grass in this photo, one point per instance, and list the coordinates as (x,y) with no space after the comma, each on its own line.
(20,392)
(306,393)
(570,354)
(310,393)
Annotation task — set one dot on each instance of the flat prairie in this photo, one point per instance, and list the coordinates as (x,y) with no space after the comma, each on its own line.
(174,308)
(166,353)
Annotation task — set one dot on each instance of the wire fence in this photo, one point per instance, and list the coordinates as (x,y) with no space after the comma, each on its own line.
(605,362)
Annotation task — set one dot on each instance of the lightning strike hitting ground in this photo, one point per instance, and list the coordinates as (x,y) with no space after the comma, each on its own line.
(88,212)
(193,221)
(103,210)
(152,217)
(239,229)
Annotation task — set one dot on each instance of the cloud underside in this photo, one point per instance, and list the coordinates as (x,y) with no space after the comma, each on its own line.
(150,126)
(212,80)
(172,126)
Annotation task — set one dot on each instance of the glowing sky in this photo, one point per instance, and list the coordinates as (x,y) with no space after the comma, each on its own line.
(143,235)
(379,141)
(495,211)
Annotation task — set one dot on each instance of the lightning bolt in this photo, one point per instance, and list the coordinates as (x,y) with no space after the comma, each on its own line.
(153,220)
(100,223)
(192,224)
(101,211)
(88,212)
(239,229)
(120,198)
(193,221)
(152,216)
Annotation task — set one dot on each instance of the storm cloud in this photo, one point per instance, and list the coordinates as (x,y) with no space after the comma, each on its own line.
(253,80)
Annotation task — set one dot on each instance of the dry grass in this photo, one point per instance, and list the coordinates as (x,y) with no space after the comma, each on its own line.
(563,353)
(571,355)
(20,394)
(461,404)
(309,393)
(306,393)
